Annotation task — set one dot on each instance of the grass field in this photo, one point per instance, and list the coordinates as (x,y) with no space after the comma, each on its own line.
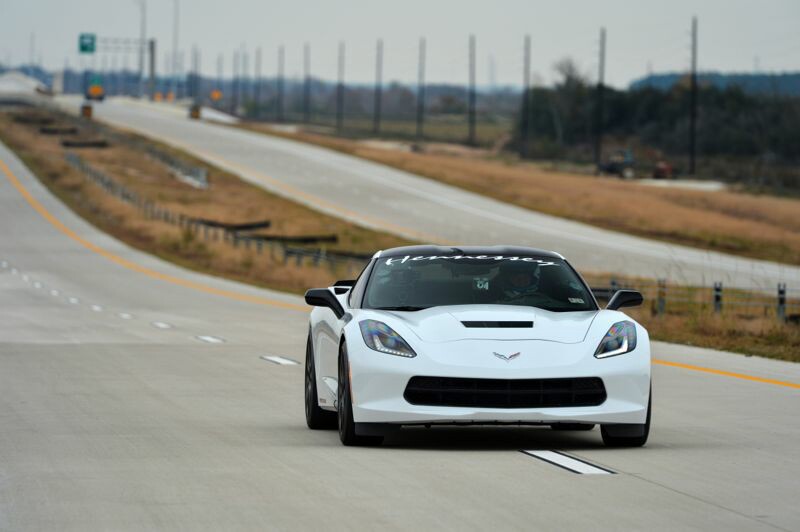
(762,227)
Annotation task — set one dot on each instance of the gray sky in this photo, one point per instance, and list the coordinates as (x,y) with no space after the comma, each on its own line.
(735,35)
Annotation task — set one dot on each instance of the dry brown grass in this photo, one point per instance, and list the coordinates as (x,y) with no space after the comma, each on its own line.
(763,227)
(228,199)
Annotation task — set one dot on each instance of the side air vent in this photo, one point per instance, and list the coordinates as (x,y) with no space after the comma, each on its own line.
(498,324)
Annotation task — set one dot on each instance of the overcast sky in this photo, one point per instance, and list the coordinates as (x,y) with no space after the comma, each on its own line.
(735,35)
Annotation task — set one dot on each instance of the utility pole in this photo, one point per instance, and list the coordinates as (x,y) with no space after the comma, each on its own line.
(421,89)
(245,80)
(235,83)
(598,140)
(257,96)
(306,83)
(151,89)
(471,96)
(142,44)
(220,66)
(281,55)
(526,84)
(176,15)
(376,114)
(340,90)
(693,101)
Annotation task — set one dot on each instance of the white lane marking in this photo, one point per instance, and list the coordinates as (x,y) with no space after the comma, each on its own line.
(37,284)
(3,264)
(14,271)
(211,339)
(74,300)
(161,325)
(125,315)
(54,292)
(280,360)
(97,308)
(26,278)
(569,463)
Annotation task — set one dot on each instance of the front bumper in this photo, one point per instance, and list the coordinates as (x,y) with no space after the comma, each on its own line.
(378,381)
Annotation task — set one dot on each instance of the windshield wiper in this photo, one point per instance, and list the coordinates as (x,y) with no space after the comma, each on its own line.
(407,308)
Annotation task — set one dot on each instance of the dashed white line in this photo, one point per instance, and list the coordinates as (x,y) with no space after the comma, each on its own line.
(97,308)
(74,300)
(3,264)
(37,284)
(283,361)
(14,271)
(161,325)
(569,463)
(125,316)
(211,339)
(54,293)
(26,278)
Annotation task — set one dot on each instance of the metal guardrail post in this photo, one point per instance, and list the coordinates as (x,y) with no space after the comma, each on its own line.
(781,310)
(661,299)
(717,297)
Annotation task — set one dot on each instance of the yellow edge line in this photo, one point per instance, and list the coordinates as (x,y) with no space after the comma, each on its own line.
(55,222)
(727,373)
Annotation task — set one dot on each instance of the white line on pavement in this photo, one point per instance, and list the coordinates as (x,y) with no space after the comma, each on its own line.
(161,325)
(211,339)
(74,300)
(54,292)
(280,360)
(569,463)
(125,315)
(97,308)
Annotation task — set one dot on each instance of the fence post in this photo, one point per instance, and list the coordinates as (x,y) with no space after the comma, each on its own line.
(781,302)
(717,297)
(661,300)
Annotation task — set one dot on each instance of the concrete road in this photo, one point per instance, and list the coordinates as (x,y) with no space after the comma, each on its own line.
(133,396)
(377,196)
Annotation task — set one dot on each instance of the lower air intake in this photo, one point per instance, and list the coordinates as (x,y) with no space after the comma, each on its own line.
(505,393)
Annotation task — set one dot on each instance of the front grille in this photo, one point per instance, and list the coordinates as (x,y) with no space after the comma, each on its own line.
(505,393)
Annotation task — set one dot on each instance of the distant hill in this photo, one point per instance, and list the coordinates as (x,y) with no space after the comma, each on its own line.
(784,83)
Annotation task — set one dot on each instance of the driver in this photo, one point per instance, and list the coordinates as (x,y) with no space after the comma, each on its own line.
(518,280)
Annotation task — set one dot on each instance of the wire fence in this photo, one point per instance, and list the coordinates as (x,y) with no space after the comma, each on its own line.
(664,297)
(237,236)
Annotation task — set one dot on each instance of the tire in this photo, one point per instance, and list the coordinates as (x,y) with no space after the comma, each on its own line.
(347,426)
(316,417)
(628,435)
(572,426)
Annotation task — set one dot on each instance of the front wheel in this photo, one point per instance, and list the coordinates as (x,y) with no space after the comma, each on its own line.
(316,417)
(628,435)
(347,426)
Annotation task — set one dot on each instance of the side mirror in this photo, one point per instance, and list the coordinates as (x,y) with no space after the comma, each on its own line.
(322,297)
(625,298)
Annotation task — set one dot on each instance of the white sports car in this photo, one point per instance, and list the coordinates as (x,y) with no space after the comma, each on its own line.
(474,335)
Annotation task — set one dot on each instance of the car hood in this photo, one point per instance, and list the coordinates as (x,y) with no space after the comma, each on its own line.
(446,324)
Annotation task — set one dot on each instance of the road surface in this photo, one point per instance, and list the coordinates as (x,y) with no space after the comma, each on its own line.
(377,196)
(134,396)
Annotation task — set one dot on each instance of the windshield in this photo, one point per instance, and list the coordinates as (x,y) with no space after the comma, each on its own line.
(416,282)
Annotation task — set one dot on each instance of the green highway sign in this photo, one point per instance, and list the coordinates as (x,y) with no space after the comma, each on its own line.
(86,43)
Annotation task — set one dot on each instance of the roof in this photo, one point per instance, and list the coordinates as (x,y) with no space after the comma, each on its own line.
(468,250)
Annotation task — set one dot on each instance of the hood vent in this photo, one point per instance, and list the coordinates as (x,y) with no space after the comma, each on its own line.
(498,324)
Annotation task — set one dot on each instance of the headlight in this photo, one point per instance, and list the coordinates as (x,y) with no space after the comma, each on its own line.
(620,339)
(380,337)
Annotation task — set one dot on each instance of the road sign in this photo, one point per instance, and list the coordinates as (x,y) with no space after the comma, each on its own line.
(216,95)
(86,43)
